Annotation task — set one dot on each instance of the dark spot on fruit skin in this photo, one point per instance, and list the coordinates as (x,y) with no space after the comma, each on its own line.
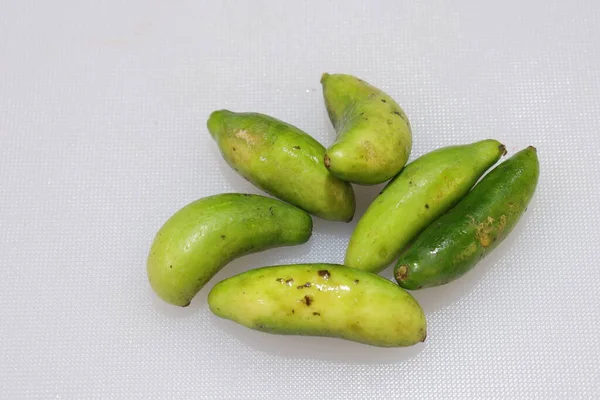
(356,281)
(170,266)
(223,236)
(316,313)
(289,282)
(426,205)
(261,326)
(324,274)
(271,211)
(293,311)
(296,147)
(307,300)
(307,284)
(383,101)
(233,148)
(398,113)
(280,280)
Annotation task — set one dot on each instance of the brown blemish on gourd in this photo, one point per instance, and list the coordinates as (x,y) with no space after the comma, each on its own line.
(324,274)
(356,327)
(483,232)
(368,151)
(501,224)
(307,284)
(308,300)
(467,252)
(402,273)
(289,282)
(246,136)
(327,161)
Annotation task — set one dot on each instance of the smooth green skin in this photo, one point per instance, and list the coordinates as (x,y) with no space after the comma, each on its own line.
(457,241)
(321,300)
(283,161)
(202,237)
(423,191)
(374,139)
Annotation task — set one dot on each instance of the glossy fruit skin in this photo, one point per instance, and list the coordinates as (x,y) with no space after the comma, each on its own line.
(321,300)
(424,190)
(374,138)
(282,160)
(457,241)
(202,237)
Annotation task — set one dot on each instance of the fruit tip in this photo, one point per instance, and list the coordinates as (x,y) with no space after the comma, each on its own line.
(532,148)
(502,149)
(215,121)
(324,76)
(327,161)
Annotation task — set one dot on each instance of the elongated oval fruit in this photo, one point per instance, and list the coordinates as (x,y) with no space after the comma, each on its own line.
(283,161)
(454,243)
(424,190)
(374,139)
(202,237)
(321,300)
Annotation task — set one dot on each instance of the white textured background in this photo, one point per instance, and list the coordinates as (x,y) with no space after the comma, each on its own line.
(102,136)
